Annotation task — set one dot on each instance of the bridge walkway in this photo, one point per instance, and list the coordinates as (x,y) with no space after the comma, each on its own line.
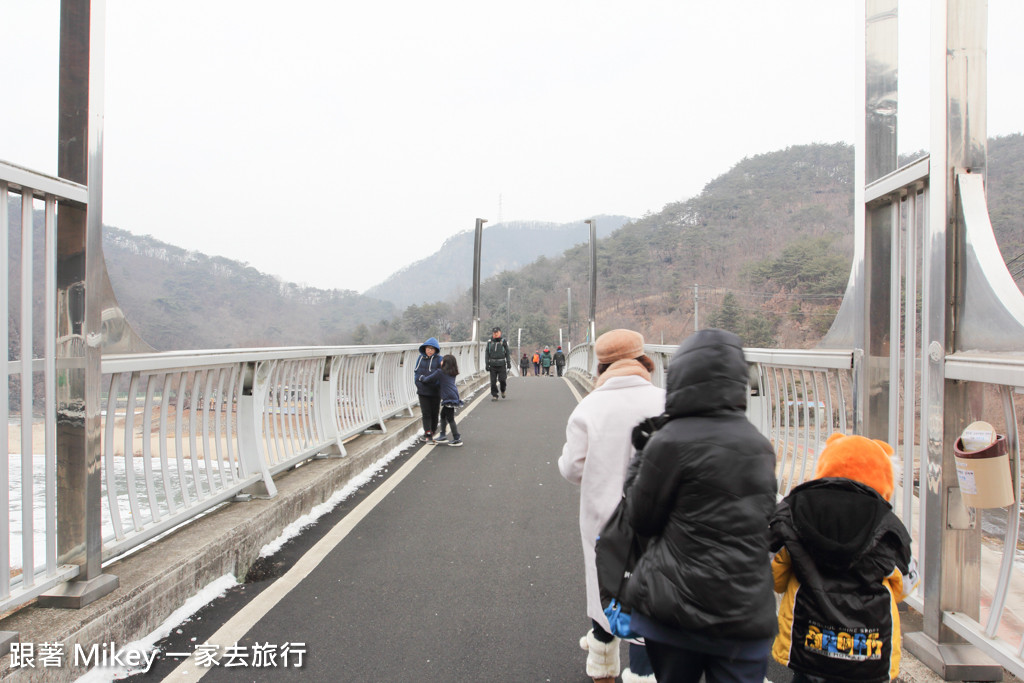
(459,565)
(468,568)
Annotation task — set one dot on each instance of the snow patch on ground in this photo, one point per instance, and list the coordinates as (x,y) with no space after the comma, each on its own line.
(310,518)
(147,644)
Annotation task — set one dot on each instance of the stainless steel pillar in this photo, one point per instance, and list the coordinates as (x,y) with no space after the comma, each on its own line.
(568,294)
(877,157)
(952,537)
(477,249)
(79,275)
(592,330)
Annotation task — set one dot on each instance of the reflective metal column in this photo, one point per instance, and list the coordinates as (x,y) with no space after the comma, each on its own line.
(79,274)
(952,537)
(592,331)
(478,237)
(878,158)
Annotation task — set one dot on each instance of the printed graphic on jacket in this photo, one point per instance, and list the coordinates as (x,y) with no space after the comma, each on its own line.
(843,642)
(848,638)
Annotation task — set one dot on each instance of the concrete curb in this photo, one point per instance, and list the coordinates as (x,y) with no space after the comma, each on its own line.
(159,578)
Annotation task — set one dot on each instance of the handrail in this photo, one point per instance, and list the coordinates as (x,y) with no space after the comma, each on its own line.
(798,397)
(185,431)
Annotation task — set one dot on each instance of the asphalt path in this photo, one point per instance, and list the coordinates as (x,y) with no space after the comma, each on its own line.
(470,569)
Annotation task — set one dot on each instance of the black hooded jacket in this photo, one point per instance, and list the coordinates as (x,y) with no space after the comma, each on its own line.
(704,491)
(843,563)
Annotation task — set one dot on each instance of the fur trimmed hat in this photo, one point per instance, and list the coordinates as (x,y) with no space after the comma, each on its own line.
(858,458)
(619,345)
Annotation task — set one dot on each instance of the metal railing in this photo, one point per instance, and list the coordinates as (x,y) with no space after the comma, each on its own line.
(798,398)
(33,563)
(183,432)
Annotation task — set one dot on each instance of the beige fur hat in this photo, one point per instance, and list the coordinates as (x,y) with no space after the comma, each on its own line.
(619,345)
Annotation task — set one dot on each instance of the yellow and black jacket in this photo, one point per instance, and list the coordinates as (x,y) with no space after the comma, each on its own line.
(843,562)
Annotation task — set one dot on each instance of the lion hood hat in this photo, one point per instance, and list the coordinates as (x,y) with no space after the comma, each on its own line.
(859,458)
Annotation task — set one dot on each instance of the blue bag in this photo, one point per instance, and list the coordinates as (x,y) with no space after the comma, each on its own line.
(619,620)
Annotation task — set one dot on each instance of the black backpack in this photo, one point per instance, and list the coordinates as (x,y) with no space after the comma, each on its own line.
(497,352)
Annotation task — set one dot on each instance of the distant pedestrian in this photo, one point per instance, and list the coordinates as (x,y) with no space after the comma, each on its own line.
(524,365)
(429,394)
(445,378)
(545,361)
(704,491)
(597,452)
(536,363)
(559,360)
(498,363)
(843,562)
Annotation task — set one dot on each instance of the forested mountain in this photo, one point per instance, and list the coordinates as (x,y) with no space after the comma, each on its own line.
(448,272)
(764,250)
(178,299)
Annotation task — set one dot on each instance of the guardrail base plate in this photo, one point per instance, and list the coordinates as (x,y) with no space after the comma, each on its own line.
(78,594)
(952,661)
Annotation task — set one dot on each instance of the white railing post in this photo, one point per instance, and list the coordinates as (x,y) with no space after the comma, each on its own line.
(374,389)
(251,406)
(326,405)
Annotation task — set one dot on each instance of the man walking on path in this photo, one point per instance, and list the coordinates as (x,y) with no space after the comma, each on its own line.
(545,361)
(498,363)
(559,360)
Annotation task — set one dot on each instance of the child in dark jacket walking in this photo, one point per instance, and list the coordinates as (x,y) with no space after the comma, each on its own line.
(445,377)
(842,561)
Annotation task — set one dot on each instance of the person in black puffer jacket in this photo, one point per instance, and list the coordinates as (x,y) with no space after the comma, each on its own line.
(704,491)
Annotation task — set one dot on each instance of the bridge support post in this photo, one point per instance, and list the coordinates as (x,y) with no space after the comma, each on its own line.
(951,535)
(79,324)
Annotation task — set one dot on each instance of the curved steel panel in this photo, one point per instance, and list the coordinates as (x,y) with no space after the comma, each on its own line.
(992,315)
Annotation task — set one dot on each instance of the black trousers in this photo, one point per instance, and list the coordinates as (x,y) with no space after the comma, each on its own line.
(430,406)
(499,379)
(448,421)
(560,368)
(676,665)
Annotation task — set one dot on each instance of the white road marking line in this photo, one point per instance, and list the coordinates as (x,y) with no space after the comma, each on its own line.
(237,626)
(572,388)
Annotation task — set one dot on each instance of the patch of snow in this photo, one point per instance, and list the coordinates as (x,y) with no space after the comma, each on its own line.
(310,518)
(147,644)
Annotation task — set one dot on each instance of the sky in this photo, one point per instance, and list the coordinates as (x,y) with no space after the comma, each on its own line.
(332,142)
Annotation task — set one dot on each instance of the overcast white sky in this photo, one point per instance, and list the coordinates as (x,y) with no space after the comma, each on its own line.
(332,142)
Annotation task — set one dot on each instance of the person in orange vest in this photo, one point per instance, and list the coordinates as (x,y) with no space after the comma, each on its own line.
(536,363)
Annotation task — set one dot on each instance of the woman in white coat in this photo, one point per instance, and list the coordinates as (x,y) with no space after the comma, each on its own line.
(596,455)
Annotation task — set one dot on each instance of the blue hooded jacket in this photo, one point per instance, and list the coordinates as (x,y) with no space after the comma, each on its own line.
(425,365)
(449,389)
